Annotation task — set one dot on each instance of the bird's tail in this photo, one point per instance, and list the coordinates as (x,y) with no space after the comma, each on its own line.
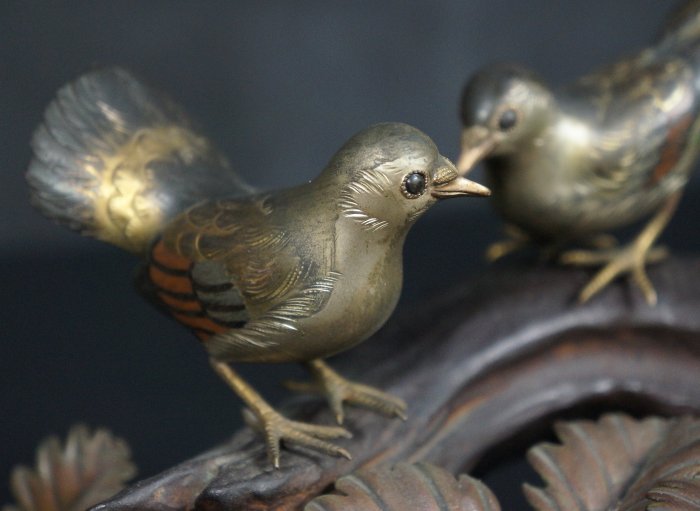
(682,28)
(115,160)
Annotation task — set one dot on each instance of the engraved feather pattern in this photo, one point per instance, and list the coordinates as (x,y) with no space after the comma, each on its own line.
(115,160)
(261,331)
(89,468)
(371,185)
(243,237)
(644,125)
(276,283)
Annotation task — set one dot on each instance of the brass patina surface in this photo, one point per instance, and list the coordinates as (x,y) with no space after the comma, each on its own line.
(288,276)
(613,147)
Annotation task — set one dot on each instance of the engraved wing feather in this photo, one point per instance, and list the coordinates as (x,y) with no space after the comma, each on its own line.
(115,160)
(647,123)
(271,286)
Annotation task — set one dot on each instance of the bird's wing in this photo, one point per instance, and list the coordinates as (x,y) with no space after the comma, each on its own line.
(243,271)
(198,294)
(645,115)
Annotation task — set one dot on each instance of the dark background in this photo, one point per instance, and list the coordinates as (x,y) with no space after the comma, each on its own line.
(280,86)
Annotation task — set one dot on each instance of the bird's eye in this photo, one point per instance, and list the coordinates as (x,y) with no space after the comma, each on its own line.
(508,120)
(413,185)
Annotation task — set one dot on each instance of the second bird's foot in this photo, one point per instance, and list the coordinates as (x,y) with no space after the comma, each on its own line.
(339,390)
(616,261)
(276,428)
(516,239)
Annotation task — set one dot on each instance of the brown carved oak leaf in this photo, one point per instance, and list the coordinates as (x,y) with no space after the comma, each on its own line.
(406,487)
(621,464)
(90,467)
(673,473)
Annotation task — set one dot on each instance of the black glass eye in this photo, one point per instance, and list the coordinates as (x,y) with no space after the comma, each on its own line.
(508,120)
(413,185)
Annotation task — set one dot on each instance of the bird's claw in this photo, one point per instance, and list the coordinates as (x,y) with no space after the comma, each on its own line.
(500,249)
(342,390)
(616,261)
(276,428)
(516,239)
(339,390)
(602,241)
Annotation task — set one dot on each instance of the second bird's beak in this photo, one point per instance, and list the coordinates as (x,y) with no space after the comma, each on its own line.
(477,143)
(448,183)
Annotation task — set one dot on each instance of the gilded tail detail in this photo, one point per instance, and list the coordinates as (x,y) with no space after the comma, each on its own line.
(115,160)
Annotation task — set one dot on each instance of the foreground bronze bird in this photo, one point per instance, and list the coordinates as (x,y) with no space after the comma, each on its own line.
(608,150)
(290,276)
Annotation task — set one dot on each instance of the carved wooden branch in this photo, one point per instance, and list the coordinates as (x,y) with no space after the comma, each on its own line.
(476,367)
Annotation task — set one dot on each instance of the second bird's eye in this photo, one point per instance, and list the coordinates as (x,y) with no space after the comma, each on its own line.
(508,120)
(413,185)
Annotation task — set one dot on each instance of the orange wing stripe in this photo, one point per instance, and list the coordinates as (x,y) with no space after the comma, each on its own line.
(170,283)
(169,272)
(202,335)
(179,304)
(673,149)
(167,258)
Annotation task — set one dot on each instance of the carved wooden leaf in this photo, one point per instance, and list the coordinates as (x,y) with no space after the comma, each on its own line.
(87,470)
(406,487)
(619,463)
(670,479)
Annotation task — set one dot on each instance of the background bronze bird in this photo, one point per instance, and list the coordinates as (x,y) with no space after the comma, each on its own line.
(608,150)
(290,276)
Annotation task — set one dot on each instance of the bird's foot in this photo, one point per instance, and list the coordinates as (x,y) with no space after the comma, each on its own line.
(339,390)
(601,241)
(632,259)
(516,239)
(276,428)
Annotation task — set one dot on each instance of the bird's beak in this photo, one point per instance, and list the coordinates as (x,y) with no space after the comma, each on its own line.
(448,183)
(477,143)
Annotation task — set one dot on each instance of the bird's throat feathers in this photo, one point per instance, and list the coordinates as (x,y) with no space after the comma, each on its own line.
(371,197)
(358,197)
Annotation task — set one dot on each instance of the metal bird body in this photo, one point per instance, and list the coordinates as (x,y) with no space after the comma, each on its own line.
(611,148)
(294,275)
(307,287)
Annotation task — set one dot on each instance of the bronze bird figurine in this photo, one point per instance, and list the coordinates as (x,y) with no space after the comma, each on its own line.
(294,275)
(610,149)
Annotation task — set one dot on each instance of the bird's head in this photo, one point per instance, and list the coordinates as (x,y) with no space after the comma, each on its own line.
(389,174)
(503,107)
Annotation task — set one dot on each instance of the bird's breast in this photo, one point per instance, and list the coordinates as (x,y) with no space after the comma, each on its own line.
(367,289)
(534,190)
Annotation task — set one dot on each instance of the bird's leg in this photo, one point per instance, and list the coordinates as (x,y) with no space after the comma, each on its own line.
(631,258)
(516,239)
(338,390)
(601,241)
(274,426)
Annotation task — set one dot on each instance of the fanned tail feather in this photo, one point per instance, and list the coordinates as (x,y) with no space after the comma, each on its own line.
(682,29)
(115,160)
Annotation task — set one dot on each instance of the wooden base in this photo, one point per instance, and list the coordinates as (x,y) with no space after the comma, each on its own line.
(477,366)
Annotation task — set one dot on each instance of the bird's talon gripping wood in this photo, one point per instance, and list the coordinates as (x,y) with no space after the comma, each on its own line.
(515,240)
(631,259)
(339,390)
